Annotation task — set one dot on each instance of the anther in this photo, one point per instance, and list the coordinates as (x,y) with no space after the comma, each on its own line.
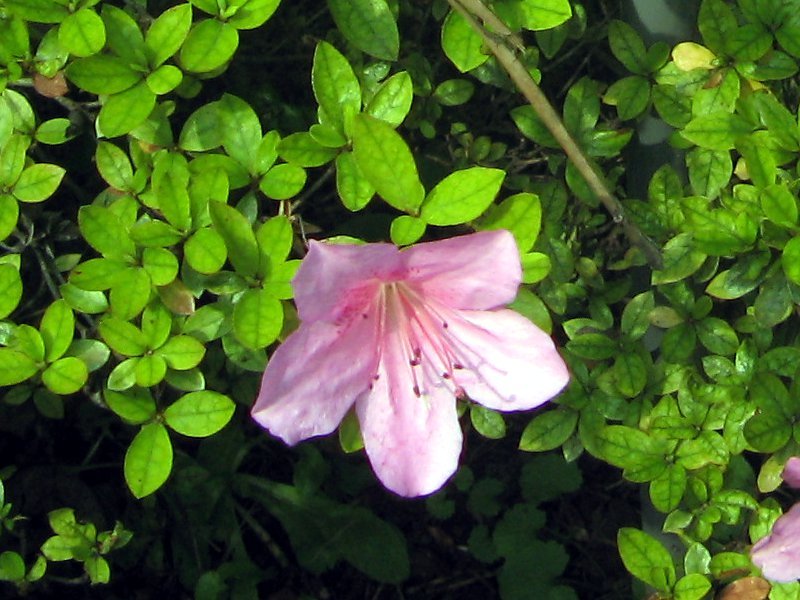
(416,391)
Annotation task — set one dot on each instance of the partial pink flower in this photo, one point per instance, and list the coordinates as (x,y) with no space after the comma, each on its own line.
(401,334)
(791,472)
(778,554)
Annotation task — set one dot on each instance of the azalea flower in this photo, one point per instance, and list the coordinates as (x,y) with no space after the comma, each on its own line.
(778,554)
(403,334)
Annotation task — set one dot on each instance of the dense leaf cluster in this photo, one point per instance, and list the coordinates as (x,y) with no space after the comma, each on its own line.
(162,164)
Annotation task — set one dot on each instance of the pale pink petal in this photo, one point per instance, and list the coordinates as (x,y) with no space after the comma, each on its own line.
(336,280)
(314,377)
(778,554)
(791,472)
(476,271)
(509,363)
(413,442)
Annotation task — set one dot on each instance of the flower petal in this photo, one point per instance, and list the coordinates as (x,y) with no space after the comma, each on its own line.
(413,442)
(509,363)
(477,271)
(791,472)
(314,377)
(778,554)
(335,280)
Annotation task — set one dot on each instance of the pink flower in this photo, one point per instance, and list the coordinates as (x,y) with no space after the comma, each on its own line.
(402,335)
(791,472)
(778,554)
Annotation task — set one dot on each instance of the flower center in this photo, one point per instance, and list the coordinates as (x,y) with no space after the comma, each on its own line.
(421,329)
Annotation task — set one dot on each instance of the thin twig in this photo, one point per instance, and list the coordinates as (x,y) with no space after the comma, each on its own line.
(502,45)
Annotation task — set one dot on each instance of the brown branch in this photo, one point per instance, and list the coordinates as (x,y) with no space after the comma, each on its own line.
(501,42)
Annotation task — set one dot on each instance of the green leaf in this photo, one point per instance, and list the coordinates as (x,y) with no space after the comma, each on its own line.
(630,373)
(535,267)
(38,182)
(633,450)
(303,150)
(760,160)
(12,159)
(164,79)
(548,430)
(454,92)
(12,567)
(167,33)
(488,423)
(630,95)
(741,279)
(182,352)
(123,337)
(790,260)
(462,44)
(717,336)
(636,316)
(160,264)
(105,232)
(130,293)
(154,234)
(55,131)
(779,205)
(716,131)
(148,461)
(97,569)
(135,406)
(593,346)
(150,370)
(38,11)
(462,196)
(82,33)
(10,289)
(532,127)
(170,184)
(387,163)
(335,85)
(240,240)
(709,447)
(65,376)
(123,112)
(405,230)
(627,46)
(719,232)
(15,367)
(124,35)
(535,15)
(275,237)
(283,181)
(369,25)
(693,586)
(199,414)
(57,329)
(114,166)
(666,490)
(392,100)
(646,558)
(253,13)
(257,319)
(205,251)
(353,187)
(9,215)
(102,74)
(209,45)
(716,22)
(241,130)
(203,129)
(768,431)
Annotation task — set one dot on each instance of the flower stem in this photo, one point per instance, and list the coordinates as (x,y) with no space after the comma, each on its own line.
(503,43)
